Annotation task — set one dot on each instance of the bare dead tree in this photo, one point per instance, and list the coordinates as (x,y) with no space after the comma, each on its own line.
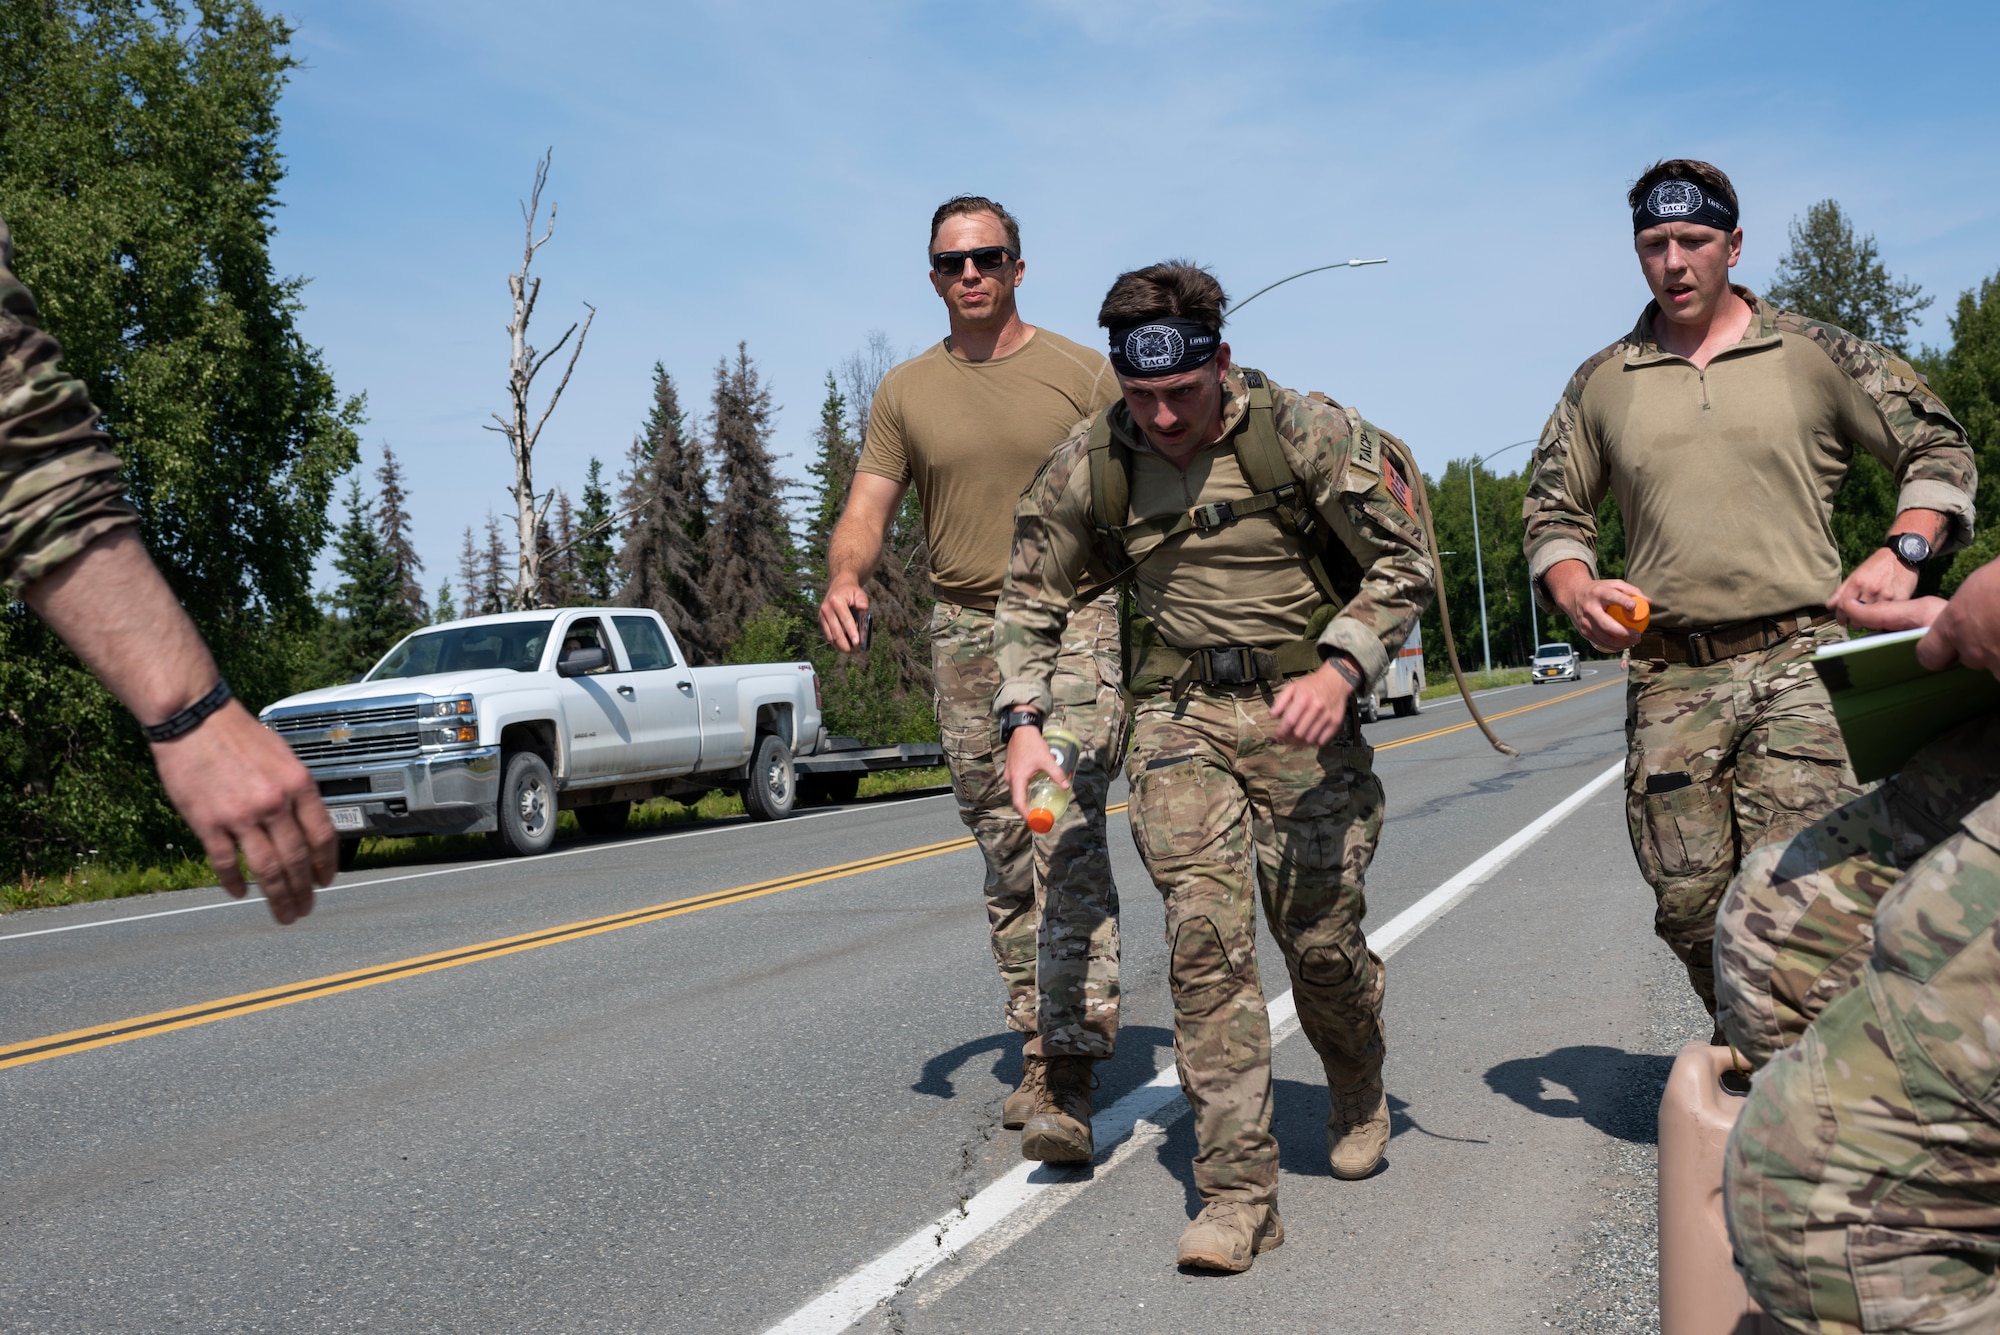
(524,365)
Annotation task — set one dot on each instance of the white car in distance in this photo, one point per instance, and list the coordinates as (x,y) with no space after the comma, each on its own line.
(1553,662)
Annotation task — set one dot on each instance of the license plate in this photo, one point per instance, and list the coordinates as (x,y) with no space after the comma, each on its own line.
(347,818)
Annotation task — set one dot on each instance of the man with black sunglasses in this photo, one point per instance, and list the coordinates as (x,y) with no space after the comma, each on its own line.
(970,420)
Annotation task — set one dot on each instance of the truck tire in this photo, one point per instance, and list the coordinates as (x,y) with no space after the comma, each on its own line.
(1407,705)
(604,818)
(350,849)
(1367,710)
(773,785)
(527,806)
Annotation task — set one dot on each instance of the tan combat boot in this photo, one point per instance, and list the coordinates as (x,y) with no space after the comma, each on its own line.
(1226,1235)
(1357,1123)
(1021,1104)
(1059,1130)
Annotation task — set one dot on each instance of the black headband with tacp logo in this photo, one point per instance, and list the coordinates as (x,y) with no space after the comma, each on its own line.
(1163,347)
(1683,201)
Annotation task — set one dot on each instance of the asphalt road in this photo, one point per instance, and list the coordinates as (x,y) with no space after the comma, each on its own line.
(688,1082)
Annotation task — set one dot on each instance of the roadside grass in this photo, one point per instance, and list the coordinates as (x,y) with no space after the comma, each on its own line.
(92,882)
(1478,681)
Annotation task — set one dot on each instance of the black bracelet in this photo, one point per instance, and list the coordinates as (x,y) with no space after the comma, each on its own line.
(187,720)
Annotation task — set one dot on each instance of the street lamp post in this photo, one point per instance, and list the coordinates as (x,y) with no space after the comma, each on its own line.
(1478,560)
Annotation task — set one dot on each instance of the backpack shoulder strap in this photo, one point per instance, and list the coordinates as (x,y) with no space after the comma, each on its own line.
(1110,478)
(1261,456)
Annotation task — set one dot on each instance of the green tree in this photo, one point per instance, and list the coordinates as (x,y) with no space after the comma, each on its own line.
(367,611)
(392,523)
(1834,276)
(665,500)
(751,558)
(1830,274)
(139,170)
(1967,377)
(596,558)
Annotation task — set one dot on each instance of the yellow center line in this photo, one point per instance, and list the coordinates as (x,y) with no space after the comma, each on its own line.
(208,1012)
(1490,718)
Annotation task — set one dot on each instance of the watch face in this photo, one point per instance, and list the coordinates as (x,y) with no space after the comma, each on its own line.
(1911,547)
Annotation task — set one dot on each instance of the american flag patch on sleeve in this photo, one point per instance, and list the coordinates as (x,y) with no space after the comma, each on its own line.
(1398,488)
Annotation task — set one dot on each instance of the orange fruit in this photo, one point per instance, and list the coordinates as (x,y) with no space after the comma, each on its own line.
(1635,620)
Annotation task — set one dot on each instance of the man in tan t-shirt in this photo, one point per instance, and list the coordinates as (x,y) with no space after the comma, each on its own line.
(970,421)
(1724,427)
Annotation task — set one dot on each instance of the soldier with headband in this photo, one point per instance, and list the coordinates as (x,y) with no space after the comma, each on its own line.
(1724,427)
(1274,565)
(968,421)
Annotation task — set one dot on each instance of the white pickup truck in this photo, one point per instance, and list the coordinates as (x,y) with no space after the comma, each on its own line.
(495,723)
(1402,686)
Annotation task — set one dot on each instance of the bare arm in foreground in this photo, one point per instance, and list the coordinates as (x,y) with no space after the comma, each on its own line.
(853,553)
(233,780)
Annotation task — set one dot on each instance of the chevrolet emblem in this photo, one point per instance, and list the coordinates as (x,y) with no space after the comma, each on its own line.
(339,736)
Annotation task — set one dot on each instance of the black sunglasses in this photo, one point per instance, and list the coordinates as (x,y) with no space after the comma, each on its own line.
(951,263)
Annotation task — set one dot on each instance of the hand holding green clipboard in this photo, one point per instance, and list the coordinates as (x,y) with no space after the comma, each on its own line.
(1888,704)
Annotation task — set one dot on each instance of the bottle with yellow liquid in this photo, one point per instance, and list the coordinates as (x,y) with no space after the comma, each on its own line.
(1047,799)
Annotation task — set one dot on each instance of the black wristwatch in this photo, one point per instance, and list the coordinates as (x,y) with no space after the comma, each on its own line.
(1018,718)
(1910,548)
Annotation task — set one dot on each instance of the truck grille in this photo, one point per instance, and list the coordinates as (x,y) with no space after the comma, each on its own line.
(345,718)
(348,736)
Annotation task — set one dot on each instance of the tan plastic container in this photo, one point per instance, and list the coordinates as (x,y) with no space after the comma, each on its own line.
(1700,1291)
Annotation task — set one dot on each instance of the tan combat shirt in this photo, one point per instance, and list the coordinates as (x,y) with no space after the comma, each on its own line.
(59,488)
(971,435)
(1725,476)
(1244,583)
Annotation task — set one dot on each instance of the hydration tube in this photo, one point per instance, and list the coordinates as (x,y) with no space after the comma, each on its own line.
(1444,612)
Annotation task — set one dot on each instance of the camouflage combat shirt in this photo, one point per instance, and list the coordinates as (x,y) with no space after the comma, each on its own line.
(1725,476)
(1191,590)
(59,488)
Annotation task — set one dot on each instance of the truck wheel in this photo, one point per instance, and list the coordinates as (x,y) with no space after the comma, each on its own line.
(350,849)
(772,786)
(1407,705)
(604,818)
(527,807)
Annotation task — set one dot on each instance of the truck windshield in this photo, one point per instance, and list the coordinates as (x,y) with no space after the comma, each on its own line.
(515,645)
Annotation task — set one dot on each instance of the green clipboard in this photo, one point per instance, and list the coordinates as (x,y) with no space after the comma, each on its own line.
(1888,704)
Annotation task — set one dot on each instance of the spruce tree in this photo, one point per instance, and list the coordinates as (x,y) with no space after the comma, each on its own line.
(560,587)
(447,610)
(468,573)
(392,523)
(752,560)
(595,556)
(495,589)
(369,614)
(665,498)
(832,473)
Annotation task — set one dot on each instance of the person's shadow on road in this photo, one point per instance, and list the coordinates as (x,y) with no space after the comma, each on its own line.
(1614,1091)
(1132,1066)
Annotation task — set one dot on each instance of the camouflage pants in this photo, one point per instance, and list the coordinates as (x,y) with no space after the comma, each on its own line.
(1862,1181)
(1798,922)
(1216,801)
(1753,747)
(1050,901)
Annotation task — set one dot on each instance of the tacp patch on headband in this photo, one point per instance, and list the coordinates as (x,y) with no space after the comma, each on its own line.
(1163,347)
(1682,201)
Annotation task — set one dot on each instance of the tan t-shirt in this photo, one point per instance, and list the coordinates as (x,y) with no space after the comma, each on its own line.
(972,435)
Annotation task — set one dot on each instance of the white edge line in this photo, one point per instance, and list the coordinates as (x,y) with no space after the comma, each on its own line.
(859,1292)
(448,871)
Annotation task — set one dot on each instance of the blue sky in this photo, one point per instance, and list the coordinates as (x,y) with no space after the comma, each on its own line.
(766,172)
